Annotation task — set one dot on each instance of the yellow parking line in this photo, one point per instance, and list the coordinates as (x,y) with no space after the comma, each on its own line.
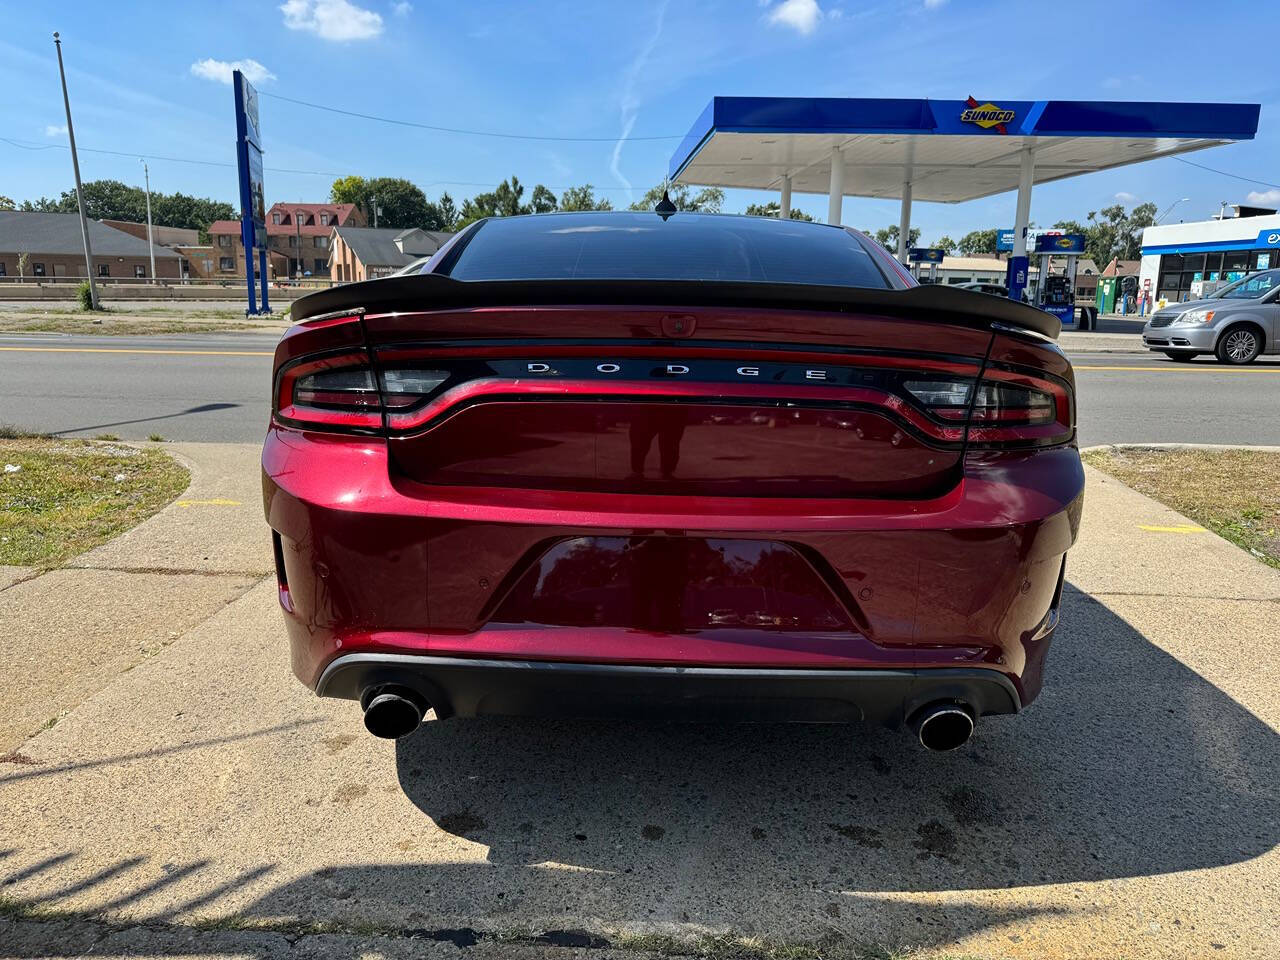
(1180,528)
(1205,369)
(178,353)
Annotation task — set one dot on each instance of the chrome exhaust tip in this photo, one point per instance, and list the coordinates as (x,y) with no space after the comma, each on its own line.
(943,726)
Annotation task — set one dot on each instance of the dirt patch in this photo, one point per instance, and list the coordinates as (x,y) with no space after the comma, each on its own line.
(936,840)
(1234,493)
(59,498)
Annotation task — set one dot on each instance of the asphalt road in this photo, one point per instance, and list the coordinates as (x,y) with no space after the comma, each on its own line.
(215,389)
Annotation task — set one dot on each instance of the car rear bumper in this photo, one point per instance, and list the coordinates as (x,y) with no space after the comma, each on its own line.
(456,686)
(371,564)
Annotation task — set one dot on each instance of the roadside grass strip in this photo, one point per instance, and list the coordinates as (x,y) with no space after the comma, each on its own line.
(59,498)
(1234,493)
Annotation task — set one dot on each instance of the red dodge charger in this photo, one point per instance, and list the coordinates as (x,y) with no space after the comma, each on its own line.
(671,464)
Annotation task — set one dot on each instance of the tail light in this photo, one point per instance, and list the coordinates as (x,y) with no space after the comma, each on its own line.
(342,392)
(1003,408)
(335,391)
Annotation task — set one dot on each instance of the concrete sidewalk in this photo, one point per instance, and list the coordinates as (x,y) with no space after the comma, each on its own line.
(1131,811)
(1090,342)
(70,632)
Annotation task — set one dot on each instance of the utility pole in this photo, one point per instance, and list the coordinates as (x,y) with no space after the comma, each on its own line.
(297,226)
(374,203)
(151,243)
(75,164)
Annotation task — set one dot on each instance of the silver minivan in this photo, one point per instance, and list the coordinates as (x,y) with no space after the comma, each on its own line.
(1237,323)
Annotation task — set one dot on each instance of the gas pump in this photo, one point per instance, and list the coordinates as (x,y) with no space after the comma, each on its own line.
(1056,293)
(919,257)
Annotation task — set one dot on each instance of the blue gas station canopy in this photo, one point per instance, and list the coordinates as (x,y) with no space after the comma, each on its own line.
(950,150)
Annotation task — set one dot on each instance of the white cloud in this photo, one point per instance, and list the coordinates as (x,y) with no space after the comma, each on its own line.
(934,4)
(55,130)
(402,9)
(1264,198)
(631,100)
(332,19)
(799,15)
(220,70)
(1125,197)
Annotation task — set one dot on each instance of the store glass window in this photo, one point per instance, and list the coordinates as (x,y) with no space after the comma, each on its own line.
(1235,260)
(37,269)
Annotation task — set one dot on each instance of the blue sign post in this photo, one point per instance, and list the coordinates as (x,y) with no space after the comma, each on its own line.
(253,202)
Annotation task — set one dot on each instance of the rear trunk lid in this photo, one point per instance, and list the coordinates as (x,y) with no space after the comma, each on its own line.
(701,400)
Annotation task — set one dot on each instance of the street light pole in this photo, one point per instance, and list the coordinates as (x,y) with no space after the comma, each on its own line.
(374,202)
(1170,207)
(297,226)
(75,165)
(151,243)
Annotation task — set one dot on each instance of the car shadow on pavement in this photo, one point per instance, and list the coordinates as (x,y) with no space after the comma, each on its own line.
(1129,765)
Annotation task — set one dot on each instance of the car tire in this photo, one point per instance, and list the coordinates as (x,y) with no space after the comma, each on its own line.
(1179,356)
(1239,345)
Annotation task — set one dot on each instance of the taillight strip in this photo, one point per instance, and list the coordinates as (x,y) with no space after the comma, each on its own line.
(534,351)
(493,388)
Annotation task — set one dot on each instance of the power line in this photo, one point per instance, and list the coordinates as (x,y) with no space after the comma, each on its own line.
(29,145)
(458,130)
(1263,183)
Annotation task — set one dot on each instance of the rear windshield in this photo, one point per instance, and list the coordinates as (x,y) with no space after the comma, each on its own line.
(686,246)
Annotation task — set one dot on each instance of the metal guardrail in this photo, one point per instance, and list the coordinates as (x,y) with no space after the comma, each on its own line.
(313,283)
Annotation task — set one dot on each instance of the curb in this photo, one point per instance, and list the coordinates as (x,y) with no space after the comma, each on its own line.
(1181,446)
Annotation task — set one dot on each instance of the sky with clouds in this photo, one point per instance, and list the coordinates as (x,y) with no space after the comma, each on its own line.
(152,79)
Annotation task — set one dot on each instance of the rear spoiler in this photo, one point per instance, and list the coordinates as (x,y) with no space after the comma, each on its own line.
(434,291)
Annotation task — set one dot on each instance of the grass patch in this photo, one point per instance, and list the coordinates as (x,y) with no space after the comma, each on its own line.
(68,496)
(1234,493)
(107,325)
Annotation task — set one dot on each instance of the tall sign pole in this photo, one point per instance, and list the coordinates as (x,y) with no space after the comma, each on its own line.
(151,243)
(253,203)
(75,165)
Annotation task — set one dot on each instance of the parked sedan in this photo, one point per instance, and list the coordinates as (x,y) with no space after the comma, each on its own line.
(675,465)
(982,286)
(1237,324)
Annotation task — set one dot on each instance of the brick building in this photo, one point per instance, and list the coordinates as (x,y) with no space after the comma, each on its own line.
(363,253)
(55,248)
(298,236)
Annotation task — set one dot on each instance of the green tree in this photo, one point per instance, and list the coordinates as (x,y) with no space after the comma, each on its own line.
(544,201)
(402,203)
(888,237)
(977,242)
(1114,232)
(113,200)
(6,203)
(947,244)
(442,214)
(772,209)
(706,200)
(583,198)
(190,213)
